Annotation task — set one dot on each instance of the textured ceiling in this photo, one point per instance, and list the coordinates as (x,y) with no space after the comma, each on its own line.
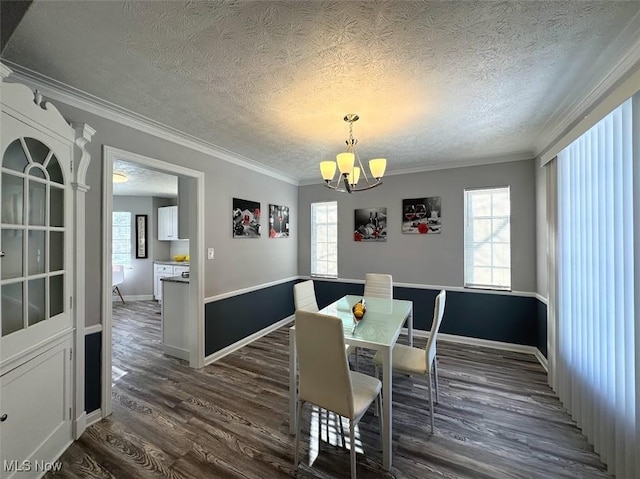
(437,82)
(144,182)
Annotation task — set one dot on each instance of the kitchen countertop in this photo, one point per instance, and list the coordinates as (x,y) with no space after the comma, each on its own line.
(175,279)
(174,263)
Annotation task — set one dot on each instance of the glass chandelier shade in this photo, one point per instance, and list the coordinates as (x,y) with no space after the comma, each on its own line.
(350,167)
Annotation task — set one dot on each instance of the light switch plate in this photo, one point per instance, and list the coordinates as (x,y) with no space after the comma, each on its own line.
(210,253)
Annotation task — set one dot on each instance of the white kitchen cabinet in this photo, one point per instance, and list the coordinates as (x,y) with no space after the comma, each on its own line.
(168,223)
(163,270)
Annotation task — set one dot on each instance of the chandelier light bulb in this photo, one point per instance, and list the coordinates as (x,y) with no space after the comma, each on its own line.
(328,170)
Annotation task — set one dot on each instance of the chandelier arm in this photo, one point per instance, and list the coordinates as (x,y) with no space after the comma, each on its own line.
(363,172)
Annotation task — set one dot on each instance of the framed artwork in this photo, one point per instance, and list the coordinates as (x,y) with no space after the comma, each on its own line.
(141,236)
(422,215)
(246,218)
(278,221)
(370,224)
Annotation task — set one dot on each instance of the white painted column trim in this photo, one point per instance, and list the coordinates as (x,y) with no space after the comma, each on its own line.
(84,133)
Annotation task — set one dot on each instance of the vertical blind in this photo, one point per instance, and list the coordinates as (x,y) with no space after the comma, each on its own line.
(595,289)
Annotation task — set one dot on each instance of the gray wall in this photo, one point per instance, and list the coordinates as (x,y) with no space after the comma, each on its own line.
(435,259)
(238,263)
(139,279)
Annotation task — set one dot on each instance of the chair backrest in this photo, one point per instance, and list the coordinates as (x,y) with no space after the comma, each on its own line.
(438,313)
(324,379)
(378,285)
(304,296)
(117,276)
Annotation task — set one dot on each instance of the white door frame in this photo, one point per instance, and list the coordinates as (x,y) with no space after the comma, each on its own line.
(196,263)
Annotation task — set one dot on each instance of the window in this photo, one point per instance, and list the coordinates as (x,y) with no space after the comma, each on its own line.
(324,239)
(487,238)
(121,238)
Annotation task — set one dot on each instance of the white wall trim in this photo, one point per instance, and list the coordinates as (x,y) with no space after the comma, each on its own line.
(257,287)
(460,289)
(94,417)
(79,99)
(542,299)
(96,328)
(249,339)
(79,425)
(542,360)
(135,297)
(485,343)
(441,165)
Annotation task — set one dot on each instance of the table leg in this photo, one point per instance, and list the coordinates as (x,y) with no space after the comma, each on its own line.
(293,383)
(410,326)
(386,409)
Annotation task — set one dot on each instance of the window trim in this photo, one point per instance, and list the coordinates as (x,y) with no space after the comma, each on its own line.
(466,251)
(313,260)
(131,251)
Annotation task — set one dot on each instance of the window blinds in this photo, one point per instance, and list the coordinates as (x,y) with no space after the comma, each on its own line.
(595,288)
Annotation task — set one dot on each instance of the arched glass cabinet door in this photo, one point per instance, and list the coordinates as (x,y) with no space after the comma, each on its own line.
(33,236)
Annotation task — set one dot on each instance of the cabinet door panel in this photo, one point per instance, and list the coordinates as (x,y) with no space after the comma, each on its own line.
(36,400)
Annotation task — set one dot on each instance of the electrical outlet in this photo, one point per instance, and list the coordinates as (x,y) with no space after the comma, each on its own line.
(210,253)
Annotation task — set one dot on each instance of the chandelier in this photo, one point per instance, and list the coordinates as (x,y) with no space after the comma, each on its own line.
(351,167)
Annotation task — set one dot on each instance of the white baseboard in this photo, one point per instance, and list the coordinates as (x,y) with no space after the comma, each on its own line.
(243,342)
(176,352)
(486,343)
(542,360)
(134,297)
(79,425)
(94,417)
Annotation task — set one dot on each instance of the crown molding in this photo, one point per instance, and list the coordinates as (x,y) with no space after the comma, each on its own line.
(440,165)
(74,97)
(5,71)
(566,117)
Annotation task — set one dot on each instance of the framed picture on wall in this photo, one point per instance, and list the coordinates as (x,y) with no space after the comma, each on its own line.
(141,236)
(278,221)
(422,215)
(370,224)
(246,218)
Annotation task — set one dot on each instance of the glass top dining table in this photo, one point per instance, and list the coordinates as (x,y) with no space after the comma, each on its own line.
(379,329)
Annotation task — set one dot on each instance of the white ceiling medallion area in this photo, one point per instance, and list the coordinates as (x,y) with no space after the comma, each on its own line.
(264,84)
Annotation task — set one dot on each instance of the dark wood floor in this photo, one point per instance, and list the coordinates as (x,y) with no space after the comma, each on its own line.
(497,418)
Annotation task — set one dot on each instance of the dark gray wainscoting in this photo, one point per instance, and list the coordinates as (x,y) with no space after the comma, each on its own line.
(496,317)
(230,320)
(92,371)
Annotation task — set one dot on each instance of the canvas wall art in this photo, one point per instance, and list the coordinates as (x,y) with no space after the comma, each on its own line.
(246,219)
(422,215)
(278,221)
(370,224)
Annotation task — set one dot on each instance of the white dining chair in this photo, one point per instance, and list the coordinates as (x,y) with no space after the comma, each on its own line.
(304,298)
(117,278)
(378,285)
(325,379)
(412,360)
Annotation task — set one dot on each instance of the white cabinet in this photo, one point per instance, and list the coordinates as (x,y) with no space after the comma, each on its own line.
(161,270)
(175,311)
(168,223)
(36,411)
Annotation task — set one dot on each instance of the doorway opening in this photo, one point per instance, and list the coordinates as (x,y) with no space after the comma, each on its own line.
(143,247)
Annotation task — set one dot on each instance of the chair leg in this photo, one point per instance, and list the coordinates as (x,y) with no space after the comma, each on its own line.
(117,290)
(435,377)
(344,441)
(378,408)
(430,399)
(297,442)
(352,437)
(379,414)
